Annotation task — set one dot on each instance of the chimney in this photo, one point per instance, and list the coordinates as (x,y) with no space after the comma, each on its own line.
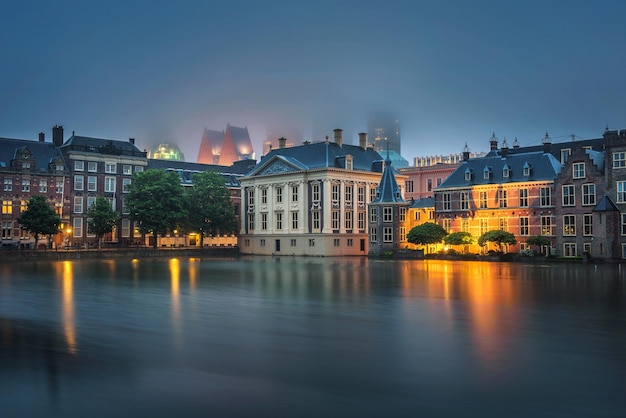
(57,135)
(42,137)
(466,152)
(504,151)
(547,144)
(363,140)
(338,139)
(131,140)
(493,142)
(282,142)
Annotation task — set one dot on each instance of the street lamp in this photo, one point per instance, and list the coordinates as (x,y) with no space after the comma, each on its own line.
(68,231)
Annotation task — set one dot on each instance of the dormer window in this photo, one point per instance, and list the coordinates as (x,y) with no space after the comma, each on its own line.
(526,170)
(487,173)
(506,171)
(468,174)
(348,162)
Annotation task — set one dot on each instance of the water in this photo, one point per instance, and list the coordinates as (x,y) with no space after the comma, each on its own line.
(297,337)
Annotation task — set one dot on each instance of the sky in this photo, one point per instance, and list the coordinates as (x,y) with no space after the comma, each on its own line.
(453,72)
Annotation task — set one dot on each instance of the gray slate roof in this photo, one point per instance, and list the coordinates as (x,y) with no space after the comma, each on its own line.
(102,146)
(186,170)
(543,166)
(388,190)
(606,204)
(323,154)
(43,152)
(423,203)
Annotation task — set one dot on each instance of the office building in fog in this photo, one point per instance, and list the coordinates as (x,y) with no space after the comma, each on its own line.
(383,131)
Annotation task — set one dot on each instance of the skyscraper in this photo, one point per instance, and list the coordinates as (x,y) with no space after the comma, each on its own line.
(383,130)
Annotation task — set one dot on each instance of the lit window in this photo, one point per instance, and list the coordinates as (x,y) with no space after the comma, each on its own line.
(569,225)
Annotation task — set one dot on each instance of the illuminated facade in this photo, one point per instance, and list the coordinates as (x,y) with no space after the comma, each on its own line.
(166,152)
(225,147)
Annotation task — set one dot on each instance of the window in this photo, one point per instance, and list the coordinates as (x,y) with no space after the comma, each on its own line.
(447,225)
(279,195)
(7,229)
(578,170)
(568,195)
(361,194)
(125,228)
(546,225)
(26,185)
(430,185)
(438,181)
(294,220)
(487,173)
(109,184)
(402,234)
(279,221)
(569,249)
(447,201)
(126,185)
(545,198)
(316,221)
(262,242)
(565,153)
(587,224)
(251,222)
(90,201)
(503,224)
(373,234)
(78,204)
(77,230)
(334,219)
(263,196)
(336,242)
(373,215)
(360,216)
(526,170)
(335,193)
(23,205)
(589,194)
(523,198)
(619,159)
(316,193)
(465,225)
(58,189)
(79,183)
(348,193)
(506,171)
(524,225)
(569,225)
(311,242)
(79,165)
(349,242)
(125,208)
(482,200)
(387,214)
(621,192)
(43,186)
(92,183)
(294,193)
(408,185)
(127,170)
(464,200)
(251,197)
(138,169)
(292,242)
(402,214)
(483,224)
(623,223)
(348,220)
(8,184)
(92,166)
(7,207)
(387,234)
(468,174)
(263,221)
(502,198)
(110,168)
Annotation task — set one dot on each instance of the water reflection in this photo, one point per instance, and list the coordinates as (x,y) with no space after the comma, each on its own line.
(69,322)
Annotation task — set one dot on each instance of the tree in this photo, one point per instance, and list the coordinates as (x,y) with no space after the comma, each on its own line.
(498,237)
(101,218)
(539,241)
(156,201)
(39,218)
(458,238)
(426,233)
(210,210)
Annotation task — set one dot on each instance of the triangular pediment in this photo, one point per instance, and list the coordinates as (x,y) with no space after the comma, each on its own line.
(277,165)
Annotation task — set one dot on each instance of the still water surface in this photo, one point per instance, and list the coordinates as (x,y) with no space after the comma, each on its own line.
(298,337)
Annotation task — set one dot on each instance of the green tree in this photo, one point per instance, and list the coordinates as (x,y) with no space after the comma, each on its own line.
(209,207)
(539,241)
(39,218)
(156,202)
(101,218)
(458,238)
(426,233)
(498,237)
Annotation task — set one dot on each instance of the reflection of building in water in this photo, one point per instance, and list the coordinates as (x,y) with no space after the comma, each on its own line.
(69,324)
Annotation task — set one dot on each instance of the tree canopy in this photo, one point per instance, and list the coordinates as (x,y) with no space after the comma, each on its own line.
(538,240)
(498,237)
(210,209)
(156,201)
(39,218)
(458,238)
(101,218)
(426,233)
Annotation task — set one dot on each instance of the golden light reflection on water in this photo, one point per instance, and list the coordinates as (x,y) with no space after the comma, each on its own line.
(69,324)
(194,263)
(174,265)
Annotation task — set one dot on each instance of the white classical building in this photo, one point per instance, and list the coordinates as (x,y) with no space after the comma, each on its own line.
(310,199)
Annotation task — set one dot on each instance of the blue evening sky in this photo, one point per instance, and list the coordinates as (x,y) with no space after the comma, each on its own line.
(453,71)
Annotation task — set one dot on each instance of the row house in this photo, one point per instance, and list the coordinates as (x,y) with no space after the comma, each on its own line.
(30,168)
(310,199)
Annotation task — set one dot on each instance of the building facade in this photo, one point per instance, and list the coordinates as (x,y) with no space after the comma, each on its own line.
(310,200)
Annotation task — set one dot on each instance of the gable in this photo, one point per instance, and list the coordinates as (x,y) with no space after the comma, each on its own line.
(277,167)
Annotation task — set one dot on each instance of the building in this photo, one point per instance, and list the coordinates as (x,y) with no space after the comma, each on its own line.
(29,168)
(383,131)
(310,199)
(225,147)
(166,152)
(210,147)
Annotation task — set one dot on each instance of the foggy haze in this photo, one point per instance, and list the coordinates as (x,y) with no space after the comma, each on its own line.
(452,71)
